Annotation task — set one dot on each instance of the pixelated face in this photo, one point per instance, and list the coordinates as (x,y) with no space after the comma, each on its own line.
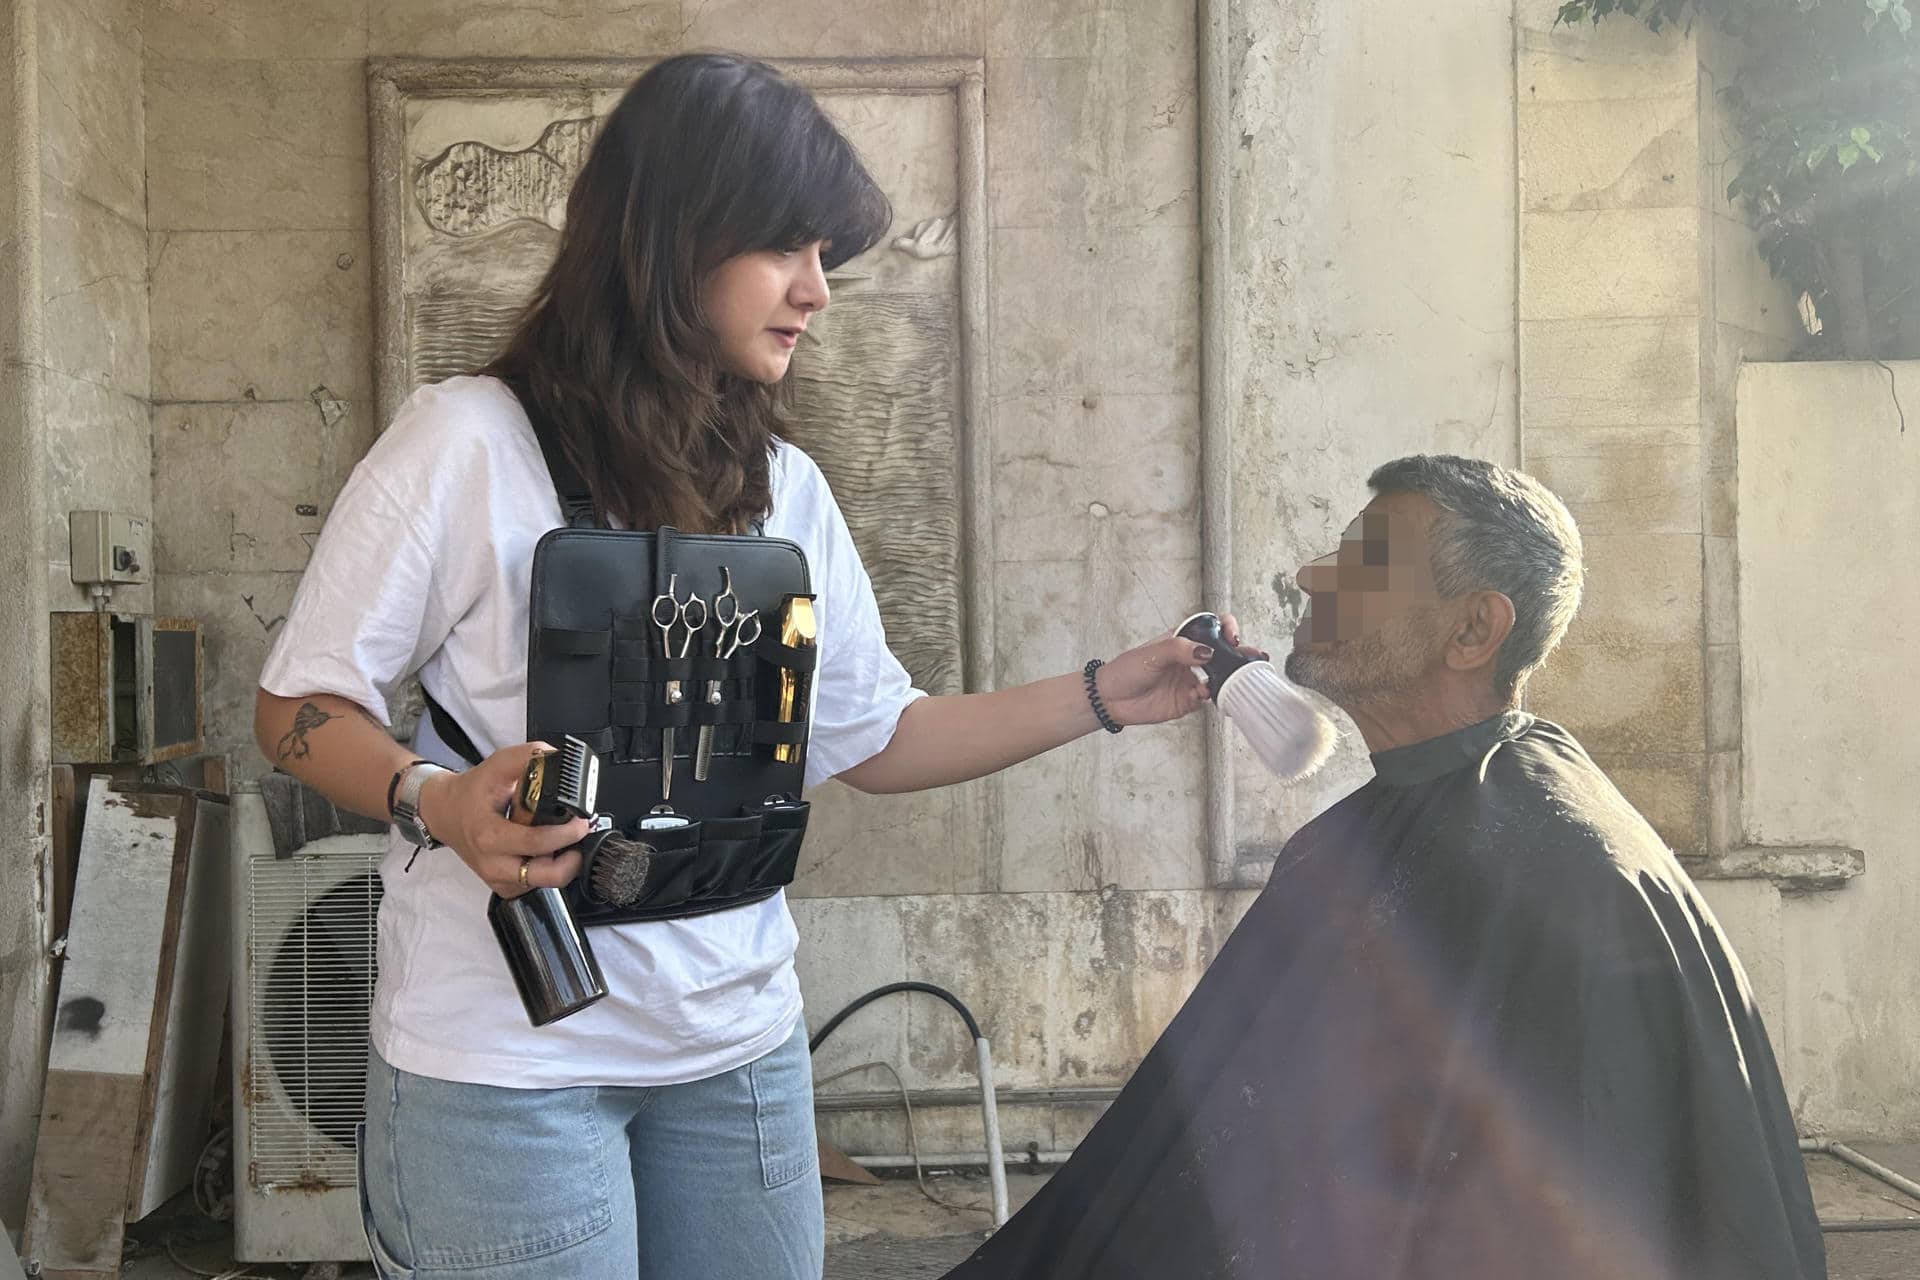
(1371,624)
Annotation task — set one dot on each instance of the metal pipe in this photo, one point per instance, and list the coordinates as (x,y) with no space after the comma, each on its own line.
(990,1117)
(964,1160)
(1841,1151)
(994,1158)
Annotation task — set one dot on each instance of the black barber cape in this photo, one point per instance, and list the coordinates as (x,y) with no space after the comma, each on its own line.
(1479,1024)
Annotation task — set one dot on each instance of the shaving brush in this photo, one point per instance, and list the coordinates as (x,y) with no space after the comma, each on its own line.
(1288,733)
(616,867)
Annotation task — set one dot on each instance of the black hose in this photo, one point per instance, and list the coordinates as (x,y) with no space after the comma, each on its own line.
(833,1023)
(1872,1224)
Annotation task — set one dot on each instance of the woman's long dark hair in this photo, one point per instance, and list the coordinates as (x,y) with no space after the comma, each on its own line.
(706,156)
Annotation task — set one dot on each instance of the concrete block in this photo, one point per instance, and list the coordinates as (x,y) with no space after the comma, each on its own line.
(1726,821)
(527,28)
(92,137)
(1116,312)
(261,315)
(245,487)
(1723,697)
(1116,473)
(239,613)
(1720,589)
(1669,790)
(1624,479)
(1047,290)
(1615,60)
(98,459)
(119,19)
(1609,373)
(1092,142)
(1088,28)
(1641,153)
(1748,912)
(849,946)
(1745,293)
(259,28)
(1641,589)
(920,843)
(829,28)
(1107,812)
(994,953)
(1609,263)
(1625,699)
(94,280)
(257,145)
(1720,499)
(1147,328)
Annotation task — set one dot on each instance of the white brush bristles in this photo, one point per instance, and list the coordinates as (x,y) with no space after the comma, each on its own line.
(1288,733)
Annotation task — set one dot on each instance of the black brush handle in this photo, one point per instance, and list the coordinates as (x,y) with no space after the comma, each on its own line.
(1207,629)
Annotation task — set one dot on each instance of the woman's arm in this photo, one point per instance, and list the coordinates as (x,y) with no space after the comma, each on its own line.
(340,750)
(955,738)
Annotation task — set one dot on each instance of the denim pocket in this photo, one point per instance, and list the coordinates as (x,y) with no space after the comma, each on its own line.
(384,1265)
(783,1111)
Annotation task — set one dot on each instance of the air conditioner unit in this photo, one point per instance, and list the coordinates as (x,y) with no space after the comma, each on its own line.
(303,970)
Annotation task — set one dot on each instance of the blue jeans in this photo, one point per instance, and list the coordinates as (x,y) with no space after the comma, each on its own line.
(714,1178)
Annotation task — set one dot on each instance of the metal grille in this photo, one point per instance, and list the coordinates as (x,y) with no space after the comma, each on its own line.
(889,1257)
(310,945)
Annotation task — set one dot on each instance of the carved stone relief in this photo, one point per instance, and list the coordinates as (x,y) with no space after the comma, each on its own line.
(883,398)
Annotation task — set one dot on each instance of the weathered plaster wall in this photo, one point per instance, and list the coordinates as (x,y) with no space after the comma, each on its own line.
(1373,297)
(94,216)
(1829,499)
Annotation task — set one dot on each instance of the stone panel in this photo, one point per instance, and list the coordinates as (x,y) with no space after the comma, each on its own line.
(94,266)
(91,129)
(1640,153)
(1609,263)
(532,28)
(261,315)
(260,28)
(257,145)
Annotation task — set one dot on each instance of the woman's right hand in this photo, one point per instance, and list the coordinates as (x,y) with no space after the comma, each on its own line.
(467,812)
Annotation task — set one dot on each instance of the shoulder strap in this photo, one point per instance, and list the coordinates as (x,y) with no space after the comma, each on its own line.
(449,730)
(576,501)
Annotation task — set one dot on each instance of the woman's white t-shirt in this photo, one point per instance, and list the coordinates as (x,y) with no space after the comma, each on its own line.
(424,565)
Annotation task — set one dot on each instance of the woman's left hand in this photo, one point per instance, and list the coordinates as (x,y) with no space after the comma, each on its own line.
(1160,680)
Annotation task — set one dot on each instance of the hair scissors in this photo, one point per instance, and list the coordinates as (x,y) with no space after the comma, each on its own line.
(669,612)
(736,629)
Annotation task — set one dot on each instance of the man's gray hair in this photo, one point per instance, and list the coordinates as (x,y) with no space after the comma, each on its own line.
(1504,531)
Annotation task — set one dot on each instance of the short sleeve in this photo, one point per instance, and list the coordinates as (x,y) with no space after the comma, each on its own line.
(860,688)
(367,613)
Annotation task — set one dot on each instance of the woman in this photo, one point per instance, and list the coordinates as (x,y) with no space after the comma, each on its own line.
(666,1131)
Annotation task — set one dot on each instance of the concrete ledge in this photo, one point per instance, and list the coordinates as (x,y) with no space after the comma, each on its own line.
(1793,868)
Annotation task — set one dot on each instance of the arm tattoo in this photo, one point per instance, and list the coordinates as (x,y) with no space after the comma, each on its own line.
(305,721)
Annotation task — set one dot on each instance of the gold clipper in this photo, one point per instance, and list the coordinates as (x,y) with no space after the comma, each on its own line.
(797,631)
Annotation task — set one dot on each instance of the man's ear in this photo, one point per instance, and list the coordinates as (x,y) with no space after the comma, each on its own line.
(1479,630)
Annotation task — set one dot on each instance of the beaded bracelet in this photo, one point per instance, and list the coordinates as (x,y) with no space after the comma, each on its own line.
(1093,696)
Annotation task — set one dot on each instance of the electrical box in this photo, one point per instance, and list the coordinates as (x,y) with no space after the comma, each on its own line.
(126,689)
(106,546)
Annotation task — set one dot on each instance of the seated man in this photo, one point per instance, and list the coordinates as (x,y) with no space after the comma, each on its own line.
(1480,1023)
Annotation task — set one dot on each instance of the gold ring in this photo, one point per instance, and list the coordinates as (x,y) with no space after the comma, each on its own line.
(523,873)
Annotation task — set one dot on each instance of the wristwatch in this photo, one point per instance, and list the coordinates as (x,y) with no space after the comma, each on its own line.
(405,805)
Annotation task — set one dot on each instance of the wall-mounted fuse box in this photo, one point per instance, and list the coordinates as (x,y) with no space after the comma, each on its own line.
(109,547)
